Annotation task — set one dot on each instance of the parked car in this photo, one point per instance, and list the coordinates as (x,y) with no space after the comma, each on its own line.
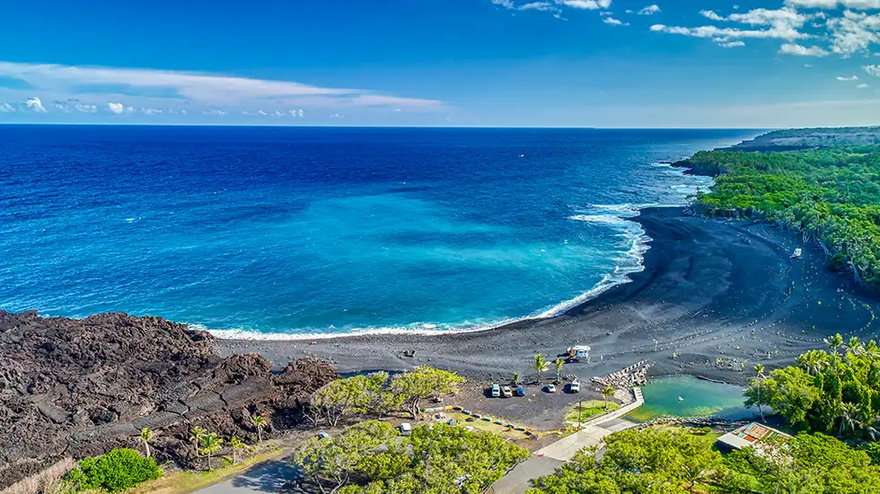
(405,429)
(322,435)
(496,390)
(575,387)
(551,388)
(505,391)
(520,391)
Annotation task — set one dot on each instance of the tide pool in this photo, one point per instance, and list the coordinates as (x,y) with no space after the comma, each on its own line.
(699,398)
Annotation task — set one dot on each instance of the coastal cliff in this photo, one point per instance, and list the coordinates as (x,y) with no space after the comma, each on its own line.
(77,387)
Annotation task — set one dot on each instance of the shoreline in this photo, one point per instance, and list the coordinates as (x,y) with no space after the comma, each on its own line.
(709,289)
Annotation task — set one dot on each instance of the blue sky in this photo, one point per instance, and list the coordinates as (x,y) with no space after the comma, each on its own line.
(602,63)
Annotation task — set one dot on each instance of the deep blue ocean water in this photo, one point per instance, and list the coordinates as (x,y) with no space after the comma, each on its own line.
(327,230)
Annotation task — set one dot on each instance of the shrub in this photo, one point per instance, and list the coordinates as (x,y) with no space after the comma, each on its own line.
(115,471)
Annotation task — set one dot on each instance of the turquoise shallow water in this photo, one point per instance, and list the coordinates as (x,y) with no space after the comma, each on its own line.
(292,232)
(700,398)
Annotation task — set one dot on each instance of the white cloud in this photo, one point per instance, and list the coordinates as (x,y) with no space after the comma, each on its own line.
(710,14)
(614,22)
(728,33)
(7,108)
(34,104)
(803,51)
(833,4)
(585,4)
(854,32)
(215,112)
(872,69)
(151,111)
(808,65)
(650,10)
(784,23)
(863,86)
(848,79)
(731,44)
(117,108)
(337,116)
(86,108)
(149,88)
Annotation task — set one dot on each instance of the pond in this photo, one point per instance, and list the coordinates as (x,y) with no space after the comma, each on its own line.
(686,396)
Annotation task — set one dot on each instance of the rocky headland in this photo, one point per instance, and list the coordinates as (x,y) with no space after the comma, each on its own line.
(77,387)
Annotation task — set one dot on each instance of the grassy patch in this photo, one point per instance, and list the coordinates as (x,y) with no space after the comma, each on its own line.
(462,421)
(587,410)
(187,482)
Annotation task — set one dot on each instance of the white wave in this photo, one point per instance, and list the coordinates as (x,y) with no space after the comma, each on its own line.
(630,262)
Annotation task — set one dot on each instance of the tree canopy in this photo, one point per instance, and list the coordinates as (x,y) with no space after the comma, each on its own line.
(832,195)
(378,394)
(372,457)
(836,393)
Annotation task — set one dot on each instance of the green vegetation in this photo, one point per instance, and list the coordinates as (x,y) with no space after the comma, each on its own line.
(540,365)
(648,461)
(377,394)
(837,393)
(583,411)
(116,471)
(371,457)
(832,195)
(672,461)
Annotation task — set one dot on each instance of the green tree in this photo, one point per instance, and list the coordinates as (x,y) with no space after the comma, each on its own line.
(640,462)
(759,372)
(236,444)
(412,387)
(260,423)
(559,363)
(211,444)
(370,458)
(540,366)
(196,437)
(515,378)
(807,463)
(116,471)
(608,392)
(146,436)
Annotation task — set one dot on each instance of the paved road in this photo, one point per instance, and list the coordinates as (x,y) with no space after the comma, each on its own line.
(546,460)
(264,478)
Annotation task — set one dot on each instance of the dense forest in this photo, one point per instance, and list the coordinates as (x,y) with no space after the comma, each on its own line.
(830,194)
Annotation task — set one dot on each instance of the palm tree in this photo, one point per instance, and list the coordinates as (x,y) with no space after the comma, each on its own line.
(812,361)
(516,378)
(559,363)
(834,342)
(759,370)
(607,393)
(540,366)
(849,413)
(196,438)
(236,445)
(872,351)
(854,345)
(211,444)
(259,422)
(146,435)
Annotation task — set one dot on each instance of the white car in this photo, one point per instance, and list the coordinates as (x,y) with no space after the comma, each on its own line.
(575,387)
(496,391)
(551,388)
(506,392)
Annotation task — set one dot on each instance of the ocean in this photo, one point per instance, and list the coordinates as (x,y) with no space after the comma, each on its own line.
(290,232)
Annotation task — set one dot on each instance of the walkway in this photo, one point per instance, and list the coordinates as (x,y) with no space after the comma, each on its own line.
(263,478)
(546,460)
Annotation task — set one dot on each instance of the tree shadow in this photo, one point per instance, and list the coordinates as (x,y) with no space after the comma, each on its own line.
(267,477)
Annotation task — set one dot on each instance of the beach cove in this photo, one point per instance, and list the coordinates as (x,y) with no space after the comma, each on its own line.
(715,297)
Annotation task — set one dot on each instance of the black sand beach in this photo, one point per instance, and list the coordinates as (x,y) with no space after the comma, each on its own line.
(710,290)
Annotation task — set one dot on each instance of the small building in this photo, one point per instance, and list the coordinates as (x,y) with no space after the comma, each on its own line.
(752,435)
